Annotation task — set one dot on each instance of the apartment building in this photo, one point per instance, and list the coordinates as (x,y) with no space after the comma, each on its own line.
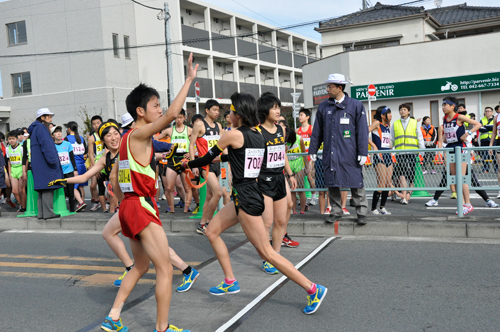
(73,56)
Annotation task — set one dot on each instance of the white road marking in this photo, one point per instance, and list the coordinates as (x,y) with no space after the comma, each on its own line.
(262,295)
(454,208)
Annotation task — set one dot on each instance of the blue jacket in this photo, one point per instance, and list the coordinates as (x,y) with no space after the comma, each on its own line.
(343,143)
(45,163)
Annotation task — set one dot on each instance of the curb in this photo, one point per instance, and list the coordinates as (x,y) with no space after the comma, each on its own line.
(451,227)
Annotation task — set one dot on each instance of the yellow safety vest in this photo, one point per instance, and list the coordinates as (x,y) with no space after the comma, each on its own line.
(484,122)
(408,139)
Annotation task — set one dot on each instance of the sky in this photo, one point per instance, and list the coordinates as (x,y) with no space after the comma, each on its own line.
(283,13)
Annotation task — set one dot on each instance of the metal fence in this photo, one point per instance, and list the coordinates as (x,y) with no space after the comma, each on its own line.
(415,171)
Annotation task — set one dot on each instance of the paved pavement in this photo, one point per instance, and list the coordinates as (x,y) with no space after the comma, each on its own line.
(413,220)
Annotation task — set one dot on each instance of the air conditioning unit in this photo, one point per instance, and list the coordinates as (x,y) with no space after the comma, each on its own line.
(188,11)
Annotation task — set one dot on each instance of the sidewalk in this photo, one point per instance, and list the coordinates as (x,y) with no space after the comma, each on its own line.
(475,226)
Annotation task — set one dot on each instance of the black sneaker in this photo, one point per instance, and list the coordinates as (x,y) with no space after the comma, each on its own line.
(81,207)
(332,218)
(201,229)
(361,220)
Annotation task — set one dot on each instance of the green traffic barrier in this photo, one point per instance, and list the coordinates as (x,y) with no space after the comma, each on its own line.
(60,206)
(203,197)
(31,199)
(419,182)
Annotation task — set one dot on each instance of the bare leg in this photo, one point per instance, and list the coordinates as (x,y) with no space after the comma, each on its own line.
(110,234)
(171,175)
(216,193)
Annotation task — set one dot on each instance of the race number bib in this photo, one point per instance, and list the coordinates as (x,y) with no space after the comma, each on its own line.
(275,156)
(99,148)
(124,177)
(386,140)
(182,145)
(15,158)
(212,140)
(294,149)
(253,162)
(78,149)
(320,152)
(451,134)
(64,158)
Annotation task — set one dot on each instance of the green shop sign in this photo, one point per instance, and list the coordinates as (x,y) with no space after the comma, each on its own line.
(458,84)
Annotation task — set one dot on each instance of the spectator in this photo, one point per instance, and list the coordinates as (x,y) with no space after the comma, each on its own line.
(430,138)
(68,163)
(44,156)
(80,151)
(485,137)
(15,168)
(406,136)
(341,125)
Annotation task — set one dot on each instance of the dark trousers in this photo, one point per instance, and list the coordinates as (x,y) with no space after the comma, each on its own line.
(45,203)
(70,192)
(358,196)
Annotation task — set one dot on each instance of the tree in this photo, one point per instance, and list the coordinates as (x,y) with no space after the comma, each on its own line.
(83,114)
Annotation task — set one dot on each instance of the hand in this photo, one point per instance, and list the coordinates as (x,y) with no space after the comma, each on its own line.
(293,183)
(465,137)
(25,177)
(196,172)
(491,152)
(362,160)
(57,182)
(181,165)
(172,151)
(313,157)
(191,74)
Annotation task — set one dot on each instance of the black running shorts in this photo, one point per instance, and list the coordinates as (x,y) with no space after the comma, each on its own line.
(248,198)
(273,186)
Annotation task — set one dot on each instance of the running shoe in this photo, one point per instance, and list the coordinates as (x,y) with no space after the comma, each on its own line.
(288,242)
(158,205)
(328,210)
(433,171)
(498,196)
(180,204)
(345,211)
(111,325)
(81,207)
(314,301)
(201,229)
(403,201)
(374,212)
(107,206)
(172,328)
(15,201)
(432,202)
(197,209)
(118,282)
(269,268)
(453,195)
(491,204)
(424,172)
(313,201)
(224,288)
(188,281)
(163,197)
(466,209)
(96,206)
(11,204)
(384,211)
(394,197)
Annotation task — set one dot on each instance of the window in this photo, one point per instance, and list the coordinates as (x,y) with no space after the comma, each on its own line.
(126,46)
(116,46)
(348,48)
(21,83)
(434,113)
(17,33)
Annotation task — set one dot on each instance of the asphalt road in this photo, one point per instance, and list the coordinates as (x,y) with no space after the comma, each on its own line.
(375,284)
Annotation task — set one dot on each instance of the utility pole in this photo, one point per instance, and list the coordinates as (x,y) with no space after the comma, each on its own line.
(365,5)
(168,52)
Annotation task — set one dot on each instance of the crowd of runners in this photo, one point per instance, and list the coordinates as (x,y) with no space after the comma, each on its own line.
(127,161)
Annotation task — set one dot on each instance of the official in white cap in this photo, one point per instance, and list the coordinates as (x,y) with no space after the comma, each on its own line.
(341,125)
(48,168)
(127,120)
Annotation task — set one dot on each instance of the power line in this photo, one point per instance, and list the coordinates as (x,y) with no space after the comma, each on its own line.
(255,12)
(140,4)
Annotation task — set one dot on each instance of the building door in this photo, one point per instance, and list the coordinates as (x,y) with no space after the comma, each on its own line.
(435,113)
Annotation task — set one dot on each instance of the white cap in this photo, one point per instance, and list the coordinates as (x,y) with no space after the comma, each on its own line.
(43,111)
(127,119)
(54,129)
(336,79)
(26,135)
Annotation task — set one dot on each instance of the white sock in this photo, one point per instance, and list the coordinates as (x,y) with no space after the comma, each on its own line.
(115,312)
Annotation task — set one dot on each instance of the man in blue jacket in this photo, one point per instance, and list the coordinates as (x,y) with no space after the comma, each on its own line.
(45,159)
(341,125)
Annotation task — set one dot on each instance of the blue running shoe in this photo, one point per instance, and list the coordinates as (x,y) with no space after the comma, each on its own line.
(188,281)
(110,325)
(118,282)
(314,301)
(224,288)
(180,204)
(172,328)
(269,268)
